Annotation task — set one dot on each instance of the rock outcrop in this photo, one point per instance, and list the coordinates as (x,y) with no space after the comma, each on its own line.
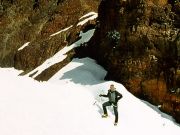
(33,21)
(137,41)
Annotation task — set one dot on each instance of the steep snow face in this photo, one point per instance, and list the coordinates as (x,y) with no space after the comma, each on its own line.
(66,105)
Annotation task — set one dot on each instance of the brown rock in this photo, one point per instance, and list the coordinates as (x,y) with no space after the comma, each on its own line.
(28,21)
(146,57)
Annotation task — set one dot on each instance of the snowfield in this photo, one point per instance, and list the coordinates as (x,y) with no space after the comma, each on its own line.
(68,104)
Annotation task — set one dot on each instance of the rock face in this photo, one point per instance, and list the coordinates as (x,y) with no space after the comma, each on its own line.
(137,41)
(33,21)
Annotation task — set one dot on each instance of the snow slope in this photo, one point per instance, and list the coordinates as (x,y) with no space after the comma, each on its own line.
(65,105)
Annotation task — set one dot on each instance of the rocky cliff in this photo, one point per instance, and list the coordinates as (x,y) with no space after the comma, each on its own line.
(138,42)
(33,22)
